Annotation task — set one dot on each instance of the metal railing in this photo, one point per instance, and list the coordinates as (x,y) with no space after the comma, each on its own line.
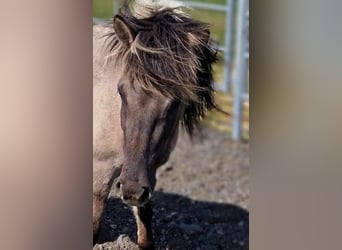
(240,91)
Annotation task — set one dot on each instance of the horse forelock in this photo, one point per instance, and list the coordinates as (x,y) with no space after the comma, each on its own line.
(171,54)
(146,8)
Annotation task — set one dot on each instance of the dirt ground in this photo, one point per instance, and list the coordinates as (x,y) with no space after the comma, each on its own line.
(201,199)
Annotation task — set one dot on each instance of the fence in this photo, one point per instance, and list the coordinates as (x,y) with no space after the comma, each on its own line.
(237,81)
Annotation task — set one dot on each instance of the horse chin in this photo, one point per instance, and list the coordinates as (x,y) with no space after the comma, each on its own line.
(136,203)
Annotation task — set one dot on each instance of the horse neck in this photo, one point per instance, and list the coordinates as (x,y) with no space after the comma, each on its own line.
(107,132)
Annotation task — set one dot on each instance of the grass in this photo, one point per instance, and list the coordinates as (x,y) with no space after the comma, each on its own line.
(222,122)
(104,9)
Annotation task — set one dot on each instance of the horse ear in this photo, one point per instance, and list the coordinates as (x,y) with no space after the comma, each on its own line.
(123,31)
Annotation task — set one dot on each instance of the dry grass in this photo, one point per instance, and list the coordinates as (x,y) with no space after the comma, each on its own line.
(222,122)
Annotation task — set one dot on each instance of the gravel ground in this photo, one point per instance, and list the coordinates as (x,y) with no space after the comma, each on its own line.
(201,199)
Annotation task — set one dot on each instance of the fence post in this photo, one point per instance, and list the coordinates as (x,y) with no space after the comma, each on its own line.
(228,44)
(241,69)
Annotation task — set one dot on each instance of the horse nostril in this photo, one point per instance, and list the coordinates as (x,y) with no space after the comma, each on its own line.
(118,184)
(146,195)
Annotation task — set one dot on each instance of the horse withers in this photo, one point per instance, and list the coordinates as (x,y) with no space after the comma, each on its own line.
(152,72)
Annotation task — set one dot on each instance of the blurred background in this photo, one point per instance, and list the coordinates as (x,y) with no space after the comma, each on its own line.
(230,28)
(295,139)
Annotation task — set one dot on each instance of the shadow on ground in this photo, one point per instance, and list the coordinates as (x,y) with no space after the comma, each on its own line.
(179,223)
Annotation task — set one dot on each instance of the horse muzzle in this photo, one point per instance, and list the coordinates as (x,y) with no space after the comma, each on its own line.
(134,194)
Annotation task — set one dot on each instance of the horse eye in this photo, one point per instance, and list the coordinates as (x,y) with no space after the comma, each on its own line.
(120,88)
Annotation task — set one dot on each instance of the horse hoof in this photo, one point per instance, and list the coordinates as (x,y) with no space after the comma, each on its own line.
(146,246)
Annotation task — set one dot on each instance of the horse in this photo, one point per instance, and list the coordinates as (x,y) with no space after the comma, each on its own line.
(152,68)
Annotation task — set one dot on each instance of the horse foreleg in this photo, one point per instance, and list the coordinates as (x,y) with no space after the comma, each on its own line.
(103,178)
(98,207)
(143,216)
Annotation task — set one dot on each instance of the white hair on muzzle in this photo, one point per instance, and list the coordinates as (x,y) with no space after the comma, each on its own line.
(144,8)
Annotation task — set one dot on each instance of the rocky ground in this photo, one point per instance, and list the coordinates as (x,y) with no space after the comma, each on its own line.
(201,199)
